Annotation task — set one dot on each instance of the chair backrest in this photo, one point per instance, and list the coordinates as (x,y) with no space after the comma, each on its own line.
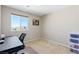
(22,36)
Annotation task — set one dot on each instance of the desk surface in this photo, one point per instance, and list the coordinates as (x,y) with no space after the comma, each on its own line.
(10,42)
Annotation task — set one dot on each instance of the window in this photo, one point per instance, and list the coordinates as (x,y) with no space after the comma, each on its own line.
(19,23)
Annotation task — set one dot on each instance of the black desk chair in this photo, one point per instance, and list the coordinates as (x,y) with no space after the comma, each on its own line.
(22,36)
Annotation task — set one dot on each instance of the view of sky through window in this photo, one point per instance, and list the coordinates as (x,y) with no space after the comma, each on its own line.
(19,23)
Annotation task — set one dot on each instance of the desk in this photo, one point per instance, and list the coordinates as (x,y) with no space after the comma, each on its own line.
(10,44)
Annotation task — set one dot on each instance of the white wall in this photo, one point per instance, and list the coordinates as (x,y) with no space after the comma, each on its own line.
(0,19)
(58,25)
(32,34)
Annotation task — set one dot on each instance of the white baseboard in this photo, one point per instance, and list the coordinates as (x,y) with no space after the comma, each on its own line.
(58,43)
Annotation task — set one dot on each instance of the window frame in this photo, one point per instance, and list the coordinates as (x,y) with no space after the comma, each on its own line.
(20,22)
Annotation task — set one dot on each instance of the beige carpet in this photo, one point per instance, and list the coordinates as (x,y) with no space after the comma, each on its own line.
(44,47)
(27,50)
